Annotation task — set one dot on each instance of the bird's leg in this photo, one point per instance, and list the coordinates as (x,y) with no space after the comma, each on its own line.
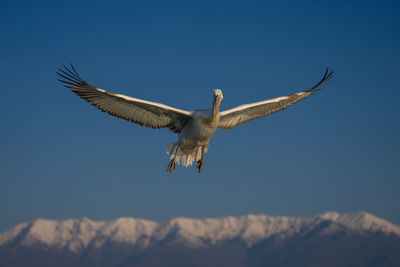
(171,166)
(201,161)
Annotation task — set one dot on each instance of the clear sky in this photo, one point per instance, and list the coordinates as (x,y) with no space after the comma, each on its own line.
(337,150)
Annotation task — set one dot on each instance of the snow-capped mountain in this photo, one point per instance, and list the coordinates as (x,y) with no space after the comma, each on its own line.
(132,239)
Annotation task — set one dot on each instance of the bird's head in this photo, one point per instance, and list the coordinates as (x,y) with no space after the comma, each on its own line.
(218,96)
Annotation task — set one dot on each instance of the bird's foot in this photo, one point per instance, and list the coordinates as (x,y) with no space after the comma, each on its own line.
(200,165)
(171,166)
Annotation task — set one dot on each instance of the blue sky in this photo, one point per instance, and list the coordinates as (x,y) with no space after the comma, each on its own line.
(337,150)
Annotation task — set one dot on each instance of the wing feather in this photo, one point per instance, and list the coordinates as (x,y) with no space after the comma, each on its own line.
(142,112)
(244,113)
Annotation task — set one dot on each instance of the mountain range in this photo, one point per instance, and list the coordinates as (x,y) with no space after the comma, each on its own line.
(329,239)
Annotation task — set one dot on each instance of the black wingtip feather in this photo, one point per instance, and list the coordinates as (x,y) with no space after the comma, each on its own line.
(74,70)
(70,77)
(71,73)
(324,81)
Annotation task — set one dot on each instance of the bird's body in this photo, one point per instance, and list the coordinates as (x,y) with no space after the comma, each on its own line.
(193,139)
(197,132)
(195,128)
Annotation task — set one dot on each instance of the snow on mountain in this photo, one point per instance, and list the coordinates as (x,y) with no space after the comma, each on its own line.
(125,230)
(250,228)
(77,234)
(362,221)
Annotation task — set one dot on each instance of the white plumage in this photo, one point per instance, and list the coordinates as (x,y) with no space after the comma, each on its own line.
(195,128)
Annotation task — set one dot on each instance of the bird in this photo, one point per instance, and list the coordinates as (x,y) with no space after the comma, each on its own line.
(195,128)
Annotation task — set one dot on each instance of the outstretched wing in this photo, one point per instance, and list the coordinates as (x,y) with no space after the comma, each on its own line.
(146,113)
(244,113)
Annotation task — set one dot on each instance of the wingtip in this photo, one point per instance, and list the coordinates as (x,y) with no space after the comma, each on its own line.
(328,74)
(324,81)
(69,74)
(74,70)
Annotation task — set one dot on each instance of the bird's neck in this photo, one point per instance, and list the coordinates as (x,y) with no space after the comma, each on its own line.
(215,111)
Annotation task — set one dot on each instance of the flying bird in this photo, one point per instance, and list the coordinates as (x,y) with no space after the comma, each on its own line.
(195,128)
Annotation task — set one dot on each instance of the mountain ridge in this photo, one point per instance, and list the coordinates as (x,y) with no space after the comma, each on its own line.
(78,234)
(329,239)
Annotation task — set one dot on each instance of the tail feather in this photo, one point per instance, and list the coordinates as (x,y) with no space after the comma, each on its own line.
(186,157)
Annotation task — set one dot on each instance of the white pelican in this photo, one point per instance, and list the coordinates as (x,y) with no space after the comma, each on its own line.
(195,128)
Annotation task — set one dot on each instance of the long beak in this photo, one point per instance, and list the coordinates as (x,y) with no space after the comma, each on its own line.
(216,103)
(218,100)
